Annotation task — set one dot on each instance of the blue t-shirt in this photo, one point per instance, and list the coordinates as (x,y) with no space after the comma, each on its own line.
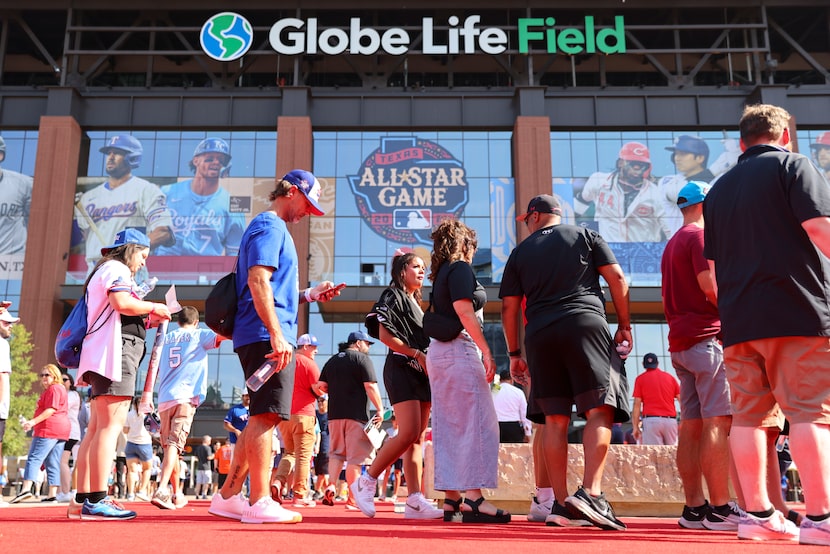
(237,416)
(183,365)
(267,242)
(202,225)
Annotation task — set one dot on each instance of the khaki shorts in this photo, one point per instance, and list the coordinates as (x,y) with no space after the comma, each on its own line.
(175,425)
(774,377)
(349,442)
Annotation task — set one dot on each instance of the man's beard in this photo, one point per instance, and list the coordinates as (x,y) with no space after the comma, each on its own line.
(118,171)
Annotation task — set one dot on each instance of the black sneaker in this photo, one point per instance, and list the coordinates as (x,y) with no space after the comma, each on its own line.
(565,516)
(596,509)
(693,518)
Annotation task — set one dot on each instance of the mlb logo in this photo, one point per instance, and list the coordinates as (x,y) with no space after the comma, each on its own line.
(413,219)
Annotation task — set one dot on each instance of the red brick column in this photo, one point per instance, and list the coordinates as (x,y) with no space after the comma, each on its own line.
(50,229)
(294,151)
(532,170)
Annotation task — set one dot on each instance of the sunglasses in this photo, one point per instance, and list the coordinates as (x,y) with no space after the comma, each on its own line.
(639,166)
(64,379)
(45,374)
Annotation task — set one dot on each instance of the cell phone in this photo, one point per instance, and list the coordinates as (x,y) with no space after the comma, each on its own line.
(335,288)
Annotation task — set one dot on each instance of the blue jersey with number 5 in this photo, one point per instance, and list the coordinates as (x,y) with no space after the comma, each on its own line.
(183,366)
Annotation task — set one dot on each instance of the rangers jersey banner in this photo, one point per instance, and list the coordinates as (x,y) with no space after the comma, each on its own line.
(407,186)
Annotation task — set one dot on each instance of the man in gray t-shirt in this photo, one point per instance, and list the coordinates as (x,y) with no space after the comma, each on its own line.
(15,199)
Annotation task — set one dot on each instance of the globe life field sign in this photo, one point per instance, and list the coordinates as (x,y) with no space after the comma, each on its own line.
(223,37)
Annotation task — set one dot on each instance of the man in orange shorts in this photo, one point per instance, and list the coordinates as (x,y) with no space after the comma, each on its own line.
(767,238)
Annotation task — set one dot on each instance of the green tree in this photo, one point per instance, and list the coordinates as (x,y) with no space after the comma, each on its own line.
(23,396)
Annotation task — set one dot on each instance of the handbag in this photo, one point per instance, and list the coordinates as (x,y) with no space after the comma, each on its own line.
(221,305)
(375,434)
(440,327)
(74,330)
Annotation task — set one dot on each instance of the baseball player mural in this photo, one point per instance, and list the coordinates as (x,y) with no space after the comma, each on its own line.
(15,199)
(122,201)
(203,223)
(821,153)
(628,204)
(690,156)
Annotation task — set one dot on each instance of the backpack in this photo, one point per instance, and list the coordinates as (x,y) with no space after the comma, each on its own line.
(220,306)
(72,333)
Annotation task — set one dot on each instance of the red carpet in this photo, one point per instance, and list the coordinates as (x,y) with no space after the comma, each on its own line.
(32,528)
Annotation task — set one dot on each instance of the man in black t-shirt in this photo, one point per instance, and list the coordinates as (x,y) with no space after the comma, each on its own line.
(349,380)
(571,356)
(767,238)
(204,454)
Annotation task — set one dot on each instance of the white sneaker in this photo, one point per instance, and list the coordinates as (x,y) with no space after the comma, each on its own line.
(142,497)
(230,508)
(539,510)
(815,532)
(418,507)
(363,492)
(774,527)
(63,497)
(265,510)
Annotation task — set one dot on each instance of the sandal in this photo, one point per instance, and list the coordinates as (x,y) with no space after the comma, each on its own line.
(454,515)
(475,516)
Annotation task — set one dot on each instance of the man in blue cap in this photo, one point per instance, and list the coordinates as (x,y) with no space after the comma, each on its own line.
(265,328)
(691,307)
(349,379)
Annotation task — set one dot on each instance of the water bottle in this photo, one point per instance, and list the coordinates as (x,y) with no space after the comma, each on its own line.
(144,288)
(623,349)
(261,375)
(21,419)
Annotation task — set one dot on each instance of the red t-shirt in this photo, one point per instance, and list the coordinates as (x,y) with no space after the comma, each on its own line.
(304,402)
(691,317)
(57,425)
(657,389)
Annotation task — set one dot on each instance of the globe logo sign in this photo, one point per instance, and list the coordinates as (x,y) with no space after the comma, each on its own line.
(226,36)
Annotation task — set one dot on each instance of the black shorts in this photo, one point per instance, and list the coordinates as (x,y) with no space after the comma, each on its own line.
(403,382)
(275,395)
(2,429)
(69,445)
(132,353)
(573,361)
(321,464)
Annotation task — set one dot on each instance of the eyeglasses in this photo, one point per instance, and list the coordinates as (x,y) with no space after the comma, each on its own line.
(65,379)
(45,374)
(527,218)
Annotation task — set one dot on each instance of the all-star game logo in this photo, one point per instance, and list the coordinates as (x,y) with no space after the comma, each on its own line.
(408,186)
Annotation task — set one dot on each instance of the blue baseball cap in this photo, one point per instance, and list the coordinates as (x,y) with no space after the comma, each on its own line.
(692,193)
(307,340)
(355,336)
(308,185)
(690,143)
(127,236)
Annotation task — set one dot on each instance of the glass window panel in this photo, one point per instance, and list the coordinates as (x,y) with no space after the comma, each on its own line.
(166,160)
(242,158)
(265,162)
